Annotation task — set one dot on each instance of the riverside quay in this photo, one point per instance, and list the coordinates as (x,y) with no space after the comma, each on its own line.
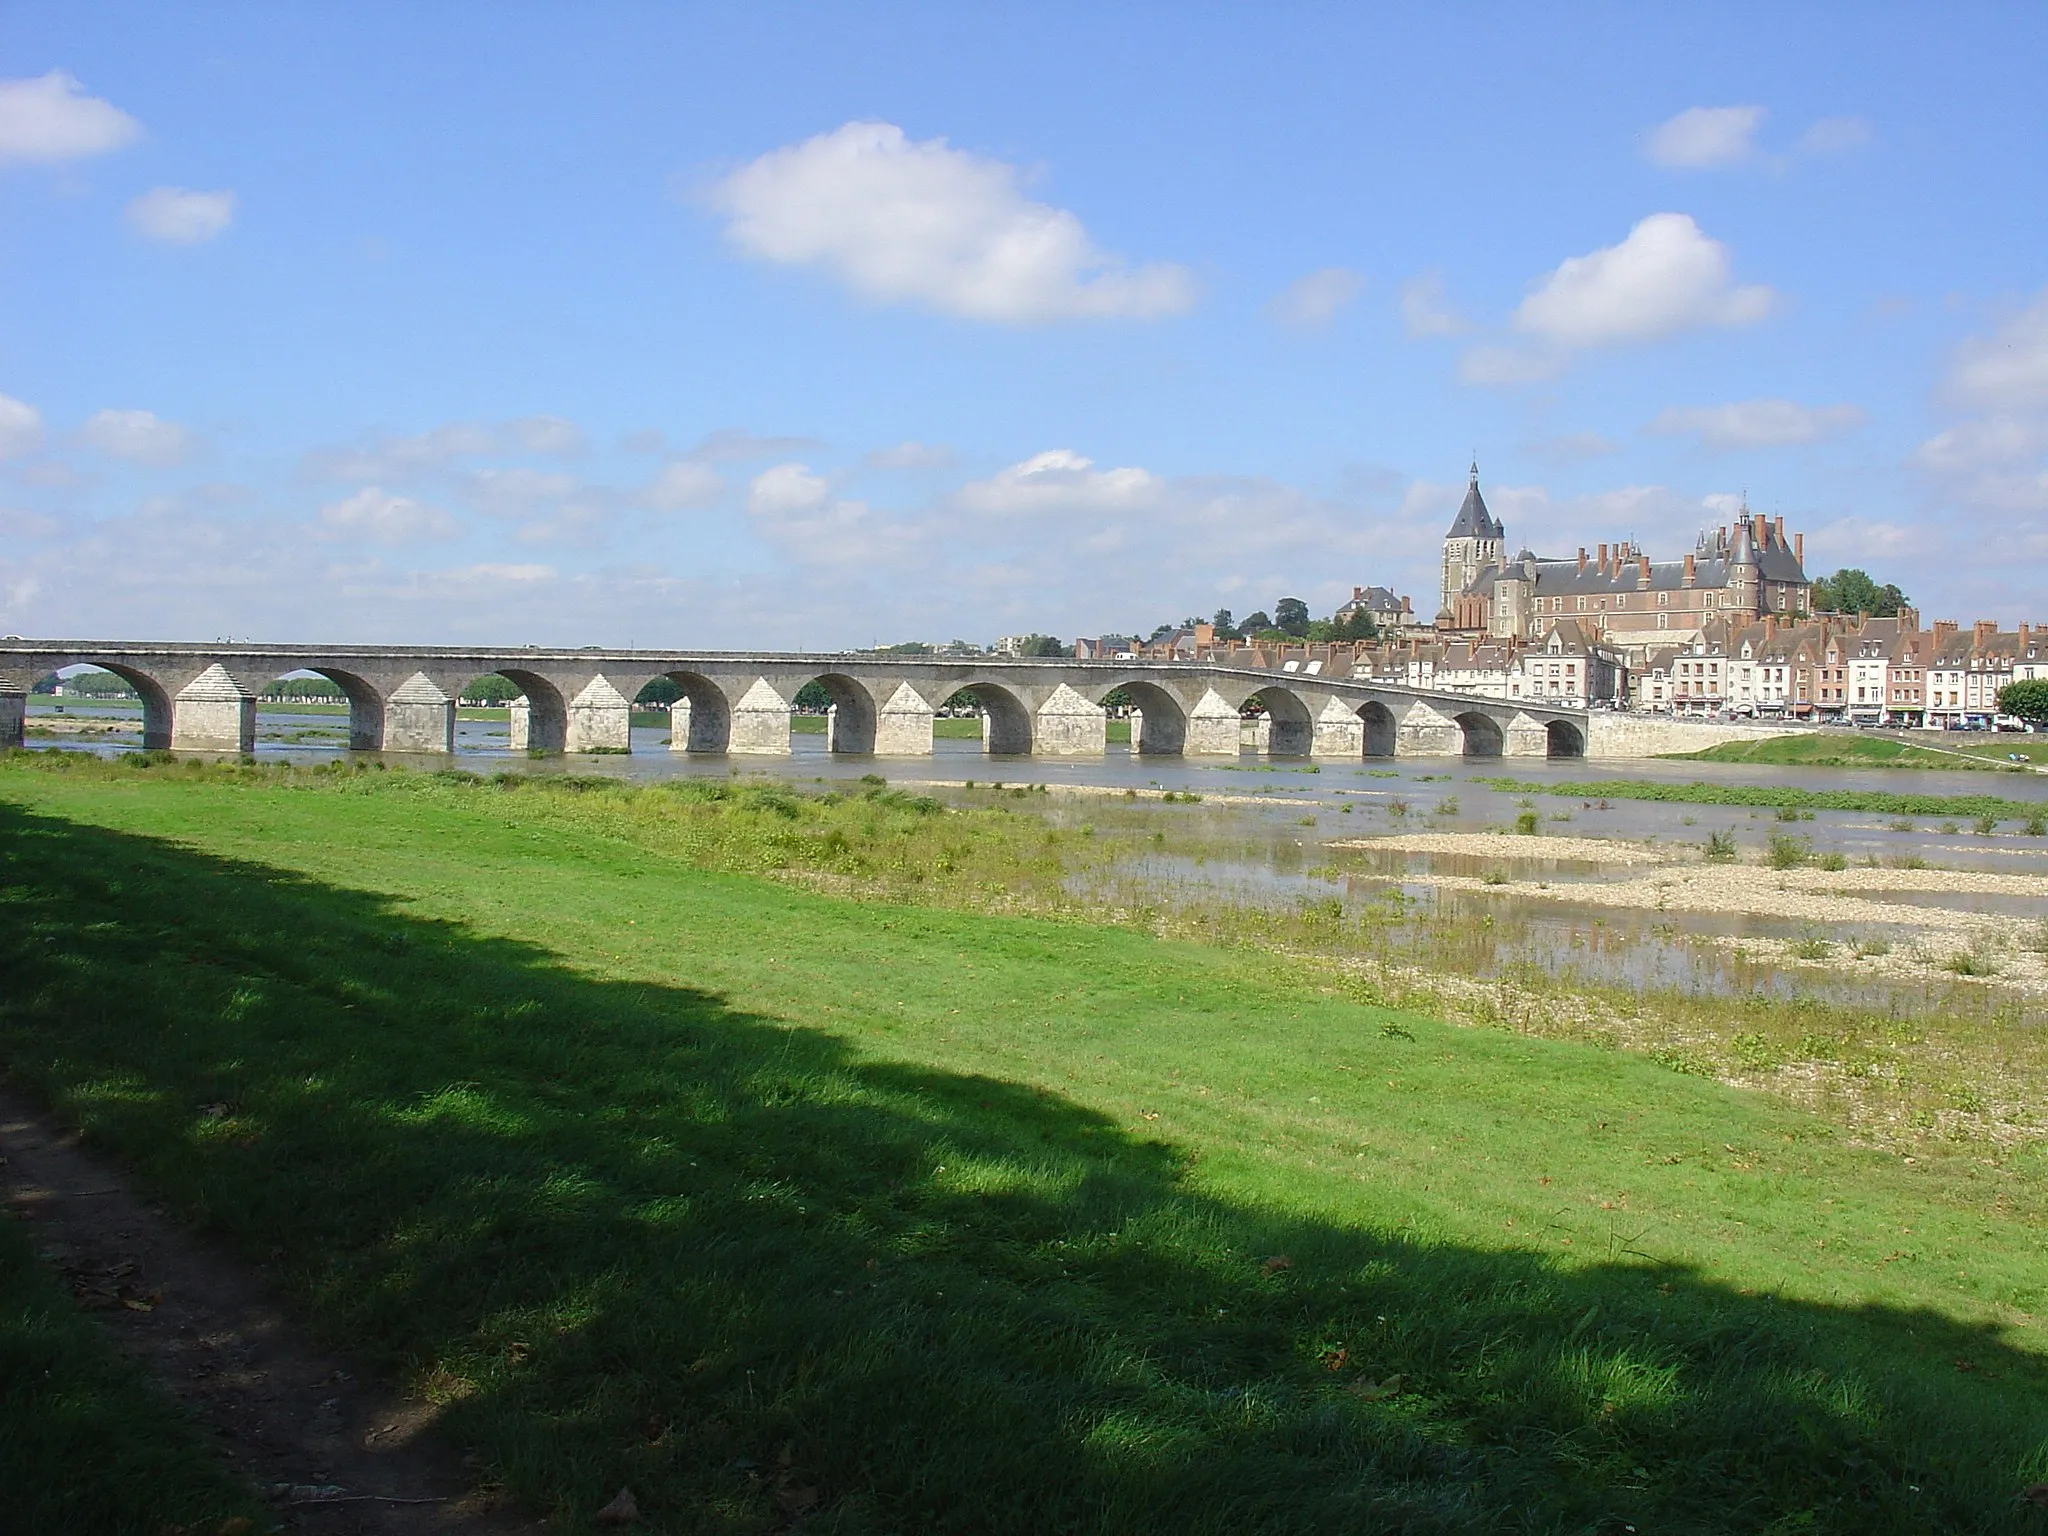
(203,698)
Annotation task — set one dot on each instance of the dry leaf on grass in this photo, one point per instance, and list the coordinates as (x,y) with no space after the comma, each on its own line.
(624,1509)
(1375,1391)
(1275,1264)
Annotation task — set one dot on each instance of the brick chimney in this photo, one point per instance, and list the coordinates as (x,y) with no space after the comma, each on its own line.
(1690,570)
(1799,547)
(1603,559)
(1944,629)
(1582,559)
(1778,527)
(1981,633)
(1643,576)
(1759,530)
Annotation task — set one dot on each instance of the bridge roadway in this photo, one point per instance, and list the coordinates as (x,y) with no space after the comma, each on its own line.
(203,698)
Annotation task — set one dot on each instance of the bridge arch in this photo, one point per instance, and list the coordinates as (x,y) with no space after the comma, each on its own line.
(1292,732)
(700,714)
(1565,739)
(365,704)
(156,701)
(850,728)
(538,719)
(1483,735)
(1380,728)
(1006,720)
(1163,722)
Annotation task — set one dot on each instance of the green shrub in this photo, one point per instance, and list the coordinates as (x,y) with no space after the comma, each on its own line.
(1832,861)
(1720,848)
(1527,823)
(1784,851)
(1810,947)
(1984,826)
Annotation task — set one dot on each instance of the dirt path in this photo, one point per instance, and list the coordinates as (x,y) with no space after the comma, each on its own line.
(339,1455)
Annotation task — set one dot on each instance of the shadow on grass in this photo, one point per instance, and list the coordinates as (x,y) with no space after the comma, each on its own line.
(629,1235)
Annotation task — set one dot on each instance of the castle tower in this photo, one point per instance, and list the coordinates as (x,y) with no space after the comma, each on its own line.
(1745,589)
(1473,543)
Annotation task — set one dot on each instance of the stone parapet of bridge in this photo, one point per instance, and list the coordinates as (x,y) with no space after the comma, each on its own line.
(402,699)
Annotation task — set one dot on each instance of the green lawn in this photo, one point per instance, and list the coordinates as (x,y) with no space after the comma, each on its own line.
(771,1203)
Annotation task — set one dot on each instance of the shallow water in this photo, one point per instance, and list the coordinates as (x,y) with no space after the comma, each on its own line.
(1268,848)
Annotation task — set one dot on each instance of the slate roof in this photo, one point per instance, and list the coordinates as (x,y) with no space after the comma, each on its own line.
(1473,520)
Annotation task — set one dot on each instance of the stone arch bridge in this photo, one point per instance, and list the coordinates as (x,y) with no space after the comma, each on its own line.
(203,697)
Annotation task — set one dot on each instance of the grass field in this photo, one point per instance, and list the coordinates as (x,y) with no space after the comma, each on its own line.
(1854,749)
(594,1115)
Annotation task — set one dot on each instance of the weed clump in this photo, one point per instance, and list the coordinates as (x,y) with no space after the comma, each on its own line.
(1783,851)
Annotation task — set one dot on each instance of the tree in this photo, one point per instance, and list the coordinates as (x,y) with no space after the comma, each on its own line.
(1254,623)
(1225,630)
(2027,699)
(1852,591)
(1043,645)
(1291,614)
(812,699)
(660,693)
(491,688)
(1354,626)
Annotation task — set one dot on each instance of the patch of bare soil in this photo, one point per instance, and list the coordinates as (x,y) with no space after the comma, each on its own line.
(337,1454)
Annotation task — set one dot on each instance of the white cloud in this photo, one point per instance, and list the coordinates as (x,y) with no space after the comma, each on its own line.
(1498,365)
(1835,136)
(732,445)
(1701,137)
(910,456)
(1423,311)
(140,437)
(387,458)
(21,428)
(1665,277)
(1756,423)
(1572,447)
(178,216)
(1974,445)
(2007,370)
(1060,480)
(549,434)
(1312,300)
(796,512)
(49,119)
(493,574)
(376,514)
(681,486)
(919,222)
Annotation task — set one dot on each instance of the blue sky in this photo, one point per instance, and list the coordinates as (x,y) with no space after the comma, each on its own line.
(808,326)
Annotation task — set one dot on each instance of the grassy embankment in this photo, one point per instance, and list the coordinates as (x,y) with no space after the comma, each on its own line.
(1852,749)
(1779,796)
(770,1203)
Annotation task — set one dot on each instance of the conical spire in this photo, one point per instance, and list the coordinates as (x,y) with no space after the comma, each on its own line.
(1473,520)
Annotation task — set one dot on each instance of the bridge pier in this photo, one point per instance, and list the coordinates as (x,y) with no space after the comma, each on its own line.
(760,722)
(213,713)
(1069,726)
(903,725)
(600,719)
(418,717)
(1525,737)
(13,720)
(1339,732)
(1215,729)
(1425,733)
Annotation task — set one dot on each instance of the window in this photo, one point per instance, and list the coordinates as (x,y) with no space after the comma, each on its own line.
(1663,601)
